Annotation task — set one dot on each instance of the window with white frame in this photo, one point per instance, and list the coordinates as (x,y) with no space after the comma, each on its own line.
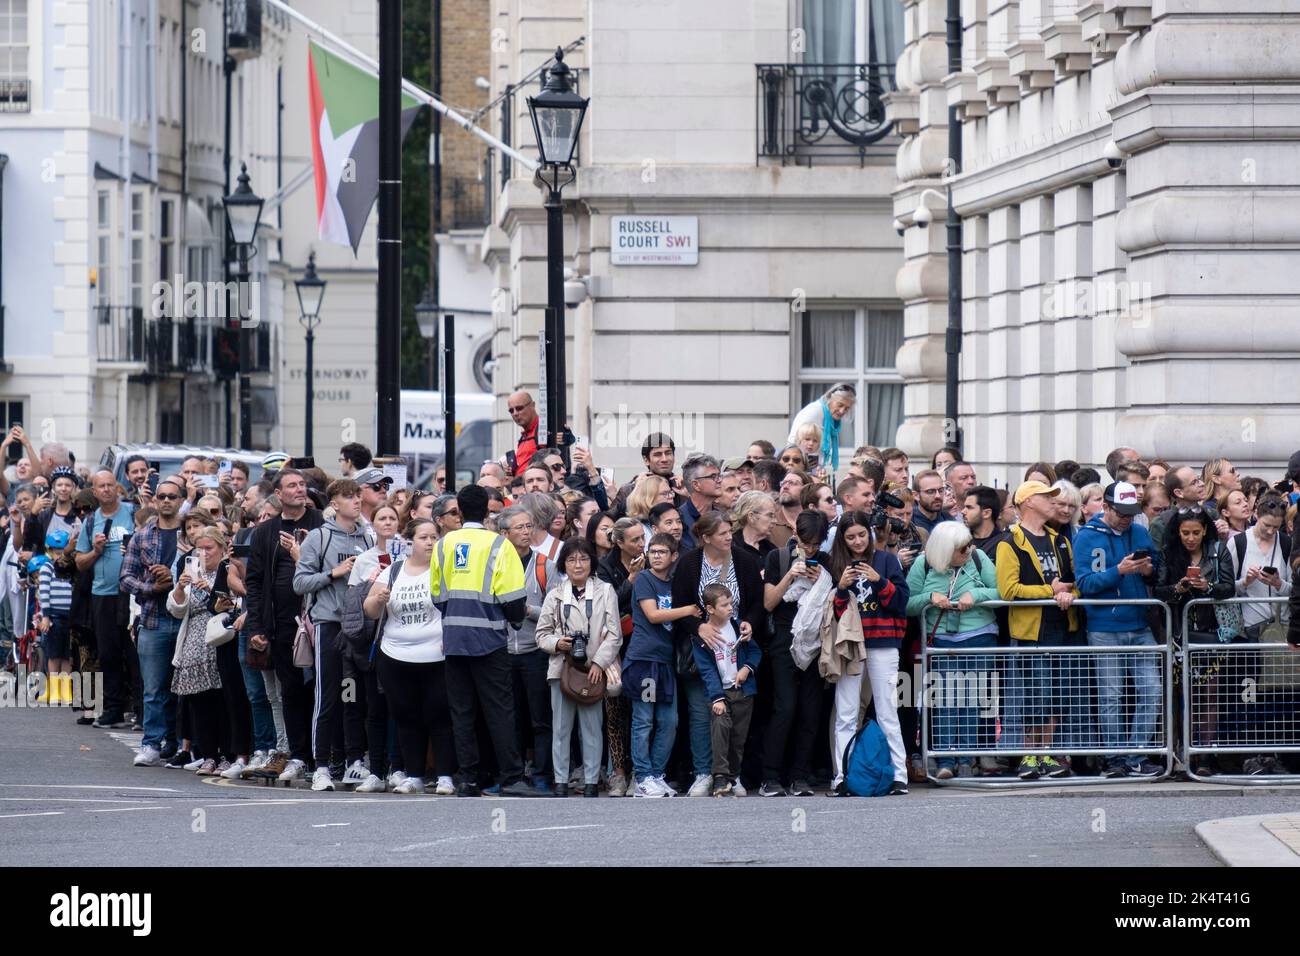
(139,248)
(13,39)
(859,345)
(105,214)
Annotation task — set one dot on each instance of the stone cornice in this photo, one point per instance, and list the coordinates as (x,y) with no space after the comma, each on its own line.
(1071,161)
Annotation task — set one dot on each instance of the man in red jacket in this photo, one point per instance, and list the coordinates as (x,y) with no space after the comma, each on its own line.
(524,411)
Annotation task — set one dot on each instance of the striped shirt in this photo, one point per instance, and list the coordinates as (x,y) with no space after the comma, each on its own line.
(55,592)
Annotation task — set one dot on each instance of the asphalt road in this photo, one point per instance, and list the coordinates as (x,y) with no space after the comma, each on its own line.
(70,797)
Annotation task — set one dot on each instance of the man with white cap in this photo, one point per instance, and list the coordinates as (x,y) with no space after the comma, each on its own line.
(1035,563)
(1117,560)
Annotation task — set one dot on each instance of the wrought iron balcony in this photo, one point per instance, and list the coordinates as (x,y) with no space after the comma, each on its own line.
(244,29)
(120,335)
(819,112)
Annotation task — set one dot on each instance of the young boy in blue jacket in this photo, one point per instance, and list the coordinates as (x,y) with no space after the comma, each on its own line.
(1114,558)
(727,669)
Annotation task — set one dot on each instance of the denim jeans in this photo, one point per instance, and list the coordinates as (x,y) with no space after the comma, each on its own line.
(155,647)
(959,700)
(651,759)
(1111,671)
(698,705)
(255,687)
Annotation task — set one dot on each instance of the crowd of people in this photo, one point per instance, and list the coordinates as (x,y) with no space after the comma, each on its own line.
(546,630)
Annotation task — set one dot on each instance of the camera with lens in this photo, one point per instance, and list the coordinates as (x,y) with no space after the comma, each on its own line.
(880,520)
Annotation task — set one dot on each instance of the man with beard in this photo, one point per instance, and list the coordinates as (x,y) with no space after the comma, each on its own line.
(787,497)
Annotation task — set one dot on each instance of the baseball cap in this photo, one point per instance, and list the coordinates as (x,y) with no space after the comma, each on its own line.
(371,476)
(1031,488)
(1123,497)
(57,539)
(734,464)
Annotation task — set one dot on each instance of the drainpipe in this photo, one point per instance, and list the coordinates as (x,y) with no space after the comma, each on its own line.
(952,341)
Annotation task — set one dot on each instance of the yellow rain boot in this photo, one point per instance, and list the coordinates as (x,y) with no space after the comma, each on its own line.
(47,696)
(65,688)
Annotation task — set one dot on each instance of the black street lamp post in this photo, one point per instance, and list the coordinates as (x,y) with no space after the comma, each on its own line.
(311,290)
(557,114)
(243,212)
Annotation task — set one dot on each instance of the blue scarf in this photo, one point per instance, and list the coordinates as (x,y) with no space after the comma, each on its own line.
(830,438)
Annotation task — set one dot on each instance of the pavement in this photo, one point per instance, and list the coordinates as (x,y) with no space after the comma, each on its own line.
(70,797)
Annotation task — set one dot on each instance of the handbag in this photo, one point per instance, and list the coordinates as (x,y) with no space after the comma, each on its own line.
(304,641)
(218,630)
(575,682)
(258,660)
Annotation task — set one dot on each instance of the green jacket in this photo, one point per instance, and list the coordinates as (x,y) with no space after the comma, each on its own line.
(978,576)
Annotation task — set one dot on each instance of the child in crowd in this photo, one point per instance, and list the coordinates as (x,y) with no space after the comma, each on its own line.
(727,669)
(809,439)
(54,588)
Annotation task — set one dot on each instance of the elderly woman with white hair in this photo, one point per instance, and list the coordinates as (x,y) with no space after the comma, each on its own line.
(947,585)
(827,412)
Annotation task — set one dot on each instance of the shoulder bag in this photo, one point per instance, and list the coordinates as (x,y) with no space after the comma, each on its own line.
(575,678)
(304,639)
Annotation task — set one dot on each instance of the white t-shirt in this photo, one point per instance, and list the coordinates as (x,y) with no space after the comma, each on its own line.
(413,631)
(725,656)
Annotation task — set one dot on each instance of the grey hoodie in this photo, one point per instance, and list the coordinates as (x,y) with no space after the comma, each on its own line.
(324,549)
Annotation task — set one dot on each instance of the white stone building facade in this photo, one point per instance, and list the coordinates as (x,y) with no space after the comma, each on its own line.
(1150,300)
(797,256)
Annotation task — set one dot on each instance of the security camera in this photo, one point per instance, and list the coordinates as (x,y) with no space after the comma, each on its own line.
(482,83)
(899,226)
(1113,155)
(923,217)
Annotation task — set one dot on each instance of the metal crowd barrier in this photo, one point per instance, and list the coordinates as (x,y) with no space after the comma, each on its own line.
(1005,685)
(1239,698)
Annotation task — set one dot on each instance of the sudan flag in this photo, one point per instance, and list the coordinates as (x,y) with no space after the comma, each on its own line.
(345,143)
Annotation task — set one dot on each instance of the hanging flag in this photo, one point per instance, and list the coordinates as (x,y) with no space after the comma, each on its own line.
(345,143)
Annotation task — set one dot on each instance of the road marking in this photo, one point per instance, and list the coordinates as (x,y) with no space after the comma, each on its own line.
(75,799)
(318,825)
(47,813)
(86,786)
(478,836)
(122,809)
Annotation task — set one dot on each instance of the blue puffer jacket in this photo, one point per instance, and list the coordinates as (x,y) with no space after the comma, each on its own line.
(1098,550)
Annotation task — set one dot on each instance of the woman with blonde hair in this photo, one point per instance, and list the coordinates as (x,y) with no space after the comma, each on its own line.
(211,505)
(1220,477)
(649,491)
(751,520)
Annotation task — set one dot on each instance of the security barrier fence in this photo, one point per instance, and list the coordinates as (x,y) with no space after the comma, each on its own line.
(1070,703)
(1240,689)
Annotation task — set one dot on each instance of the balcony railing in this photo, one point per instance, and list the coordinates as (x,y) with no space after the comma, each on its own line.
(120,333)
(165,346)
(15,96)
(815,112)
(464,203)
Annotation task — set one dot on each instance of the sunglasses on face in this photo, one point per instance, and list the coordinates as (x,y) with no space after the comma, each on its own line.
(165,497)
(558,466)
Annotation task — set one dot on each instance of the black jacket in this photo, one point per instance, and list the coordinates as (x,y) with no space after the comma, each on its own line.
(749,578)
(610,570)
(260,579)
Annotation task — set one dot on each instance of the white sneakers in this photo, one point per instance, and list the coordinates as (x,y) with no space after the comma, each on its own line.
(195,764)
(395,778)
(446,787)
(652,787)
(356,774)
(235,769)
(617,785)
(737,790)
(702,786)
(372,784)
(321,780)
(293,772)
(148,757)
(410,785)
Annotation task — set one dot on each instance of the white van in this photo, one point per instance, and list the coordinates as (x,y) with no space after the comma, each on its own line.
(422,426)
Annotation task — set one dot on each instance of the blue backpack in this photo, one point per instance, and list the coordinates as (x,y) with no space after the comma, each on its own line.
(868,769)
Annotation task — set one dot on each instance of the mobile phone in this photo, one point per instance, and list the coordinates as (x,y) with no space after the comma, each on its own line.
(241,550)
(385,559)
(300,535)
(194,567)
(152,481)
(1194,573)
(224,466)
(1141,554)
(300,463)
(209,481)
(1269,570)
(857,564)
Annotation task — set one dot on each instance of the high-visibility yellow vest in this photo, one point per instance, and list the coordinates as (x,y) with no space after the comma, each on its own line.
(472,573)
